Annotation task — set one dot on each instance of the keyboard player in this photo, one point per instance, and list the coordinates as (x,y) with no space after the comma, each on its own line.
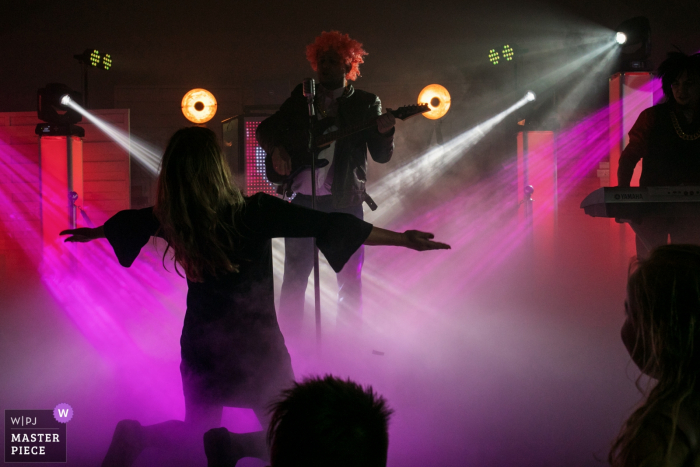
(667,138)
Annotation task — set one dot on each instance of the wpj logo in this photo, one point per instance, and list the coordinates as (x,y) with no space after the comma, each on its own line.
(37,435)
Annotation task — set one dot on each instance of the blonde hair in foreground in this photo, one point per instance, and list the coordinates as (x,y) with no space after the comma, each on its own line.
(664,307)
(195,204)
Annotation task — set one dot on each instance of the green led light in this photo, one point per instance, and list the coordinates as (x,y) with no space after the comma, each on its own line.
(493,56)
(94,57)
(107,61)
(508,52)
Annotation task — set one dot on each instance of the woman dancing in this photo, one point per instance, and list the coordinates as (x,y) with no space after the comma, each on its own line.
(233,353)
(662,335)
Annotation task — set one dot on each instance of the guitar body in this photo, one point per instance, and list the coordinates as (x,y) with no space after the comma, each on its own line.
(297,146)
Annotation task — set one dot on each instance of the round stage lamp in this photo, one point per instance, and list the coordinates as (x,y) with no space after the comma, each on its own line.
(437,98)
(199,106)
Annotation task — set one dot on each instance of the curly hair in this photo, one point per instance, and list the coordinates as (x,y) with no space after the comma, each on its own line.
(664,316)
(350,50)
(673,67)
(195,204)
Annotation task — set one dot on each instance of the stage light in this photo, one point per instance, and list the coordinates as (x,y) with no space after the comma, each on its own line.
(493,56)
(52,104)
(508,53)
(437,98)
(199,105)
(530,96)
(93,58)
(635,49)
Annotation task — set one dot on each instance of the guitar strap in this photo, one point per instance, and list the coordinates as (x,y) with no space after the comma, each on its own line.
(370,202)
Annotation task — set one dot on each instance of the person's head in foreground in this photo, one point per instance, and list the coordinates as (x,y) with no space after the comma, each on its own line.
(662,335)
(329,422)
(680,79)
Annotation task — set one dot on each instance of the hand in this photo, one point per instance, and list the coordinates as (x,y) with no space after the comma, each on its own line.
(422,241)
(385,123)
(83,234)
(281,161)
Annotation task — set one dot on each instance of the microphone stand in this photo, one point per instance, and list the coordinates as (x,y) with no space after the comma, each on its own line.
(310,93)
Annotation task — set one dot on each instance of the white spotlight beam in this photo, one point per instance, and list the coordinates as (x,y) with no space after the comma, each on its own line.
(145,154)
(571,67)
(574,97)
(425,170)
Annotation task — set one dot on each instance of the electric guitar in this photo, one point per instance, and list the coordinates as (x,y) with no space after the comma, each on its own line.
(297,146)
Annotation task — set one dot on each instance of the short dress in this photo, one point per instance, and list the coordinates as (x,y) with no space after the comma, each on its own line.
(233,352)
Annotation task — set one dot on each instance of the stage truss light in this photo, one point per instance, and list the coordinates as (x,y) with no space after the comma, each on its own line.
(437,98)
(530,96)
(52,104)
(508,53)
(93,58)
(199,105)
(635,49)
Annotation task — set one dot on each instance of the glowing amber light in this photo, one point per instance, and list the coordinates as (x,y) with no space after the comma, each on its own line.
(199,106)
(437,98)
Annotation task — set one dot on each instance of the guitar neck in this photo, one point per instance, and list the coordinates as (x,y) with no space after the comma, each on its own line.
(322,140)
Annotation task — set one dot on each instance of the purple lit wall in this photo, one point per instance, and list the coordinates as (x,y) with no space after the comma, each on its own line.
(537,167)
(106,183)
(55,206)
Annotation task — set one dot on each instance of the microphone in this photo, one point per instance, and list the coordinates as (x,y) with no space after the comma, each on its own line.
(309,87)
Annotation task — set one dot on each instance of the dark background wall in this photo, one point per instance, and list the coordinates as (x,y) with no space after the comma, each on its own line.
(215,43)
(242,50)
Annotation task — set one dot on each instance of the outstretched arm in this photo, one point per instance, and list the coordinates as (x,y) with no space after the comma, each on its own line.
(127,232)
(84,234)
(413,239)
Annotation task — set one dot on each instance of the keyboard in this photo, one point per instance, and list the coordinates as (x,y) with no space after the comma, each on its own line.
(641,202)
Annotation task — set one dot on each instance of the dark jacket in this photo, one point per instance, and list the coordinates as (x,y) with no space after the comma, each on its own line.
(668,160)
(350,158)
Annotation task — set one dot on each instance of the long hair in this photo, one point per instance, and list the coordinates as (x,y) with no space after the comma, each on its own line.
(664,312)
(328,421)
(673,67)
(349,50)
(195,204)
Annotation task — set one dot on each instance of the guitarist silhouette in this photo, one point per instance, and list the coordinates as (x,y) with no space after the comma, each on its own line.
(341,167)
